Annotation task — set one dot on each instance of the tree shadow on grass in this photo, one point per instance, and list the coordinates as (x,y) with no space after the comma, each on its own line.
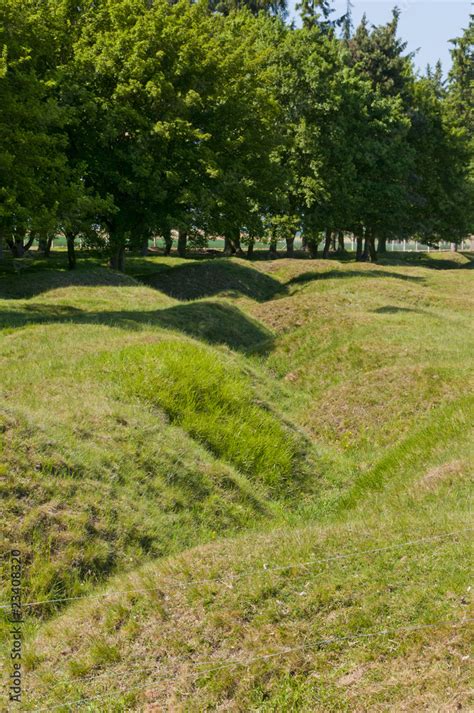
(430,260)
(342,274)
(218,323)
(392,309)
(30,283)
(207,278)
(215,323)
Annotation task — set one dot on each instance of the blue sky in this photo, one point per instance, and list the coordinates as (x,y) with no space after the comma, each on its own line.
(424,24)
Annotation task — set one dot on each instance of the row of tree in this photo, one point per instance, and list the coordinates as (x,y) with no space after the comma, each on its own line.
(125,119)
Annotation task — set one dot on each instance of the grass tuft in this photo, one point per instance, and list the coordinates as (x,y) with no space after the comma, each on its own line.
(213,402)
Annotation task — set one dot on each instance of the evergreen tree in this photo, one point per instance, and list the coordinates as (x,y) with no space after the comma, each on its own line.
(315,12)
(273,7)
(459,119)
(379,55)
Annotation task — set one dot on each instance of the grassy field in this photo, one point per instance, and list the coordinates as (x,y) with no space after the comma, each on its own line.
(240,486)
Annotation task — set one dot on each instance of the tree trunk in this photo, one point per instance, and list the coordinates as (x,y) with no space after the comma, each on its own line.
(290,247)
(369,254)
(366,251)
(340,243)
(16,246)
(168,241)
(372,250)
(454,247)
(144,247)
(29,243)
(117,258)
(236,244)
(327,243)
(182,243)
(250,248)
(359,248)
(229,248)
(44,244)
(272,250)
(311,246)
(382,245)
(71,250)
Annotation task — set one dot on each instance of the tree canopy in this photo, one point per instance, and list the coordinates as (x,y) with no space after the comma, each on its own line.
(124,119)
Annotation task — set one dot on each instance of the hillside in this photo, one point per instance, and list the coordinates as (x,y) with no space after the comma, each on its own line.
(254,477)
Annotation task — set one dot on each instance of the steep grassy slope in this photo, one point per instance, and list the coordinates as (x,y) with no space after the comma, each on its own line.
(325,404)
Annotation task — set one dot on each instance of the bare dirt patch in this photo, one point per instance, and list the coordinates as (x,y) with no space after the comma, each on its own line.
(444,474)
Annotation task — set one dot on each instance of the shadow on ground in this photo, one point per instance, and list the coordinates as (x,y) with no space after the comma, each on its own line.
(430,260)
(31,281)
(392,309)
(341,274)
(215,323)
(202,276)
(208,278)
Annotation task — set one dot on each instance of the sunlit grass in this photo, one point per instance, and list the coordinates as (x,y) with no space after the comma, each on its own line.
(212,401)
(312,410)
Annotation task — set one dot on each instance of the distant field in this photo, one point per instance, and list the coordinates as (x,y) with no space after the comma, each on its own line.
(255,478)
(59,243)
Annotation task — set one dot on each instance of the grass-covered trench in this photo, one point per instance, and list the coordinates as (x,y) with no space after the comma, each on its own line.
(240,486)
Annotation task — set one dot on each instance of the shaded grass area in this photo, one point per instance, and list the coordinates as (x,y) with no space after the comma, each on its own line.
(331,274)
(216,323)
(37,277)
(206,278)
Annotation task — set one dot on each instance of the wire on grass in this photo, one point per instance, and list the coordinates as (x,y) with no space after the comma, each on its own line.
(248,573)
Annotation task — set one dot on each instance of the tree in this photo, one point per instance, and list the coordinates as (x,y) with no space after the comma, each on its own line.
(378,55)
(32,138)
(274,7)
(315,12)
(438,205)
(461,79)
(244,127)
(385,163)
(459,119)
(123,119)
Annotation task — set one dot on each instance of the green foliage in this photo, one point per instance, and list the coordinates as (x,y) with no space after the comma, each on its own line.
(379,57)
(32,139)
(441,197)
(315,12)
(459,120)
(131,119)
(461,79)
(277,7)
